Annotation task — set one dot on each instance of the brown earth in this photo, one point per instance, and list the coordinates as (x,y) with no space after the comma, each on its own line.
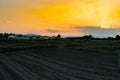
(60,60)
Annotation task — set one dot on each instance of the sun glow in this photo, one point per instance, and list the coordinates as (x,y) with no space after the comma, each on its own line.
(109,13)
(83,13)
(75,12)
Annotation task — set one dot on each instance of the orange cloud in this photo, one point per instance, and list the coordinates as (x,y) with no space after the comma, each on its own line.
(8,22)
(36,16)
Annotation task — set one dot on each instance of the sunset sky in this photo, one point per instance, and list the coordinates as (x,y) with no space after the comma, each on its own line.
(66,17)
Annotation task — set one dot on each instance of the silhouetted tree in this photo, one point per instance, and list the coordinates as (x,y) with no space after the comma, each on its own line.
(58,36)
(6,35)
(19,35)
(11,34)
(88,37)
(1,35)
(117,37)
(110,38)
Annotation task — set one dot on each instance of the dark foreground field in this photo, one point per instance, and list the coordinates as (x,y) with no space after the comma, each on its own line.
(60,60)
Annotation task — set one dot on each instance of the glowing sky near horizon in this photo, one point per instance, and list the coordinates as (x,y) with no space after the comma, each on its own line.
(50,17)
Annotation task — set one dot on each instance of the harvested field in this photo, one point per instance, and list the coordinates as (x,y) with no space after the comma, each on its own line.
(59,61)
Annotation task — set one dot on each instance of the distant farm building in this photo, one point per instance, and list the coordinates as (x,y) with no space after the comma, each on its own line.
(12,37)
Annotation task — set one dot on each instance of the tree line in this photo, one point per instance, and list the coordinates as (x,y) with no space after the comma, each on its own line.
(86,37)
(90,37)
(5,35)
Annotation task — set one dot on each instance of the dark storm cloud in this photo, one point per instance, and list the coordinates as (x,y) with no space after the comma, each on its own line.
(53,31)
(98,31)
